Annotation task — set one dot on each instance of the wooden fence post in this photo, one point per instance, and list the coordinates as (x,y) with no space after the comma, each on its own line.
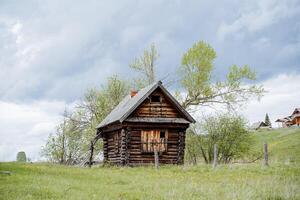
(156,160)
(266,154)
(215,156)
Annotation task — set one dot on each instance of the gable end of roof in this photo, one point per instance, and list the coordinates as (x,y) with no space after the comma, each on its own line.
(129,104)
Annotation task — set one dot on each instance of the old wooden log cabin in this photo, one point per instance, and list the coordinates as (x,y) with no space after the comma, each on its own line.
(144,121)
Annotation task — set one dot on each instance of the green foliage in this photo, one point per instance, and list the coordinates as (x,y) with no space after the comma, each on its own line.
(71,141)
(145,65)
(116,90)
(21,156)
(192,148)
(196,73)
(196,68)
(227,131)
(52,150)
(267,120)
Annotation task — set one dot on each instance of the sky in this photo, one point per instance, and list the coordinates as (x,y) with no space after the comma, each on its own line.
(52,51)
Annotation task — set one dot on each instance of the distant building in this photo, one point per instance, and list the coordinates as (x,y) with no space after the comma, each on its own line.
(296,117)
(291,120)
(258,125)
(285,122)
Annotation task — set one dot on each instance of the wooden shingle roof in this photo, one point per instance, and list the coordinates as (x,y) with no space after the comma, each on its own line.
(129,104)
(296,111)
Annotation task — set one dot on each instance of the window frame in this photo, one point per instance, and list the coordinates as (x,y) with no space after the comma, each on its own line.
(156,96)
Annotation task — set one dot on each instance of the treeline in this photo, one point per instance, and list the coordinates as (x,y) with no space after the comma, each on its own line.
(71,142)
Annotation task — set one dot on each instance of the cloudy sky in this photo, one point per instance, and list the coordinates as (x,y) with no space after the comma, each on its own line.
(51,52)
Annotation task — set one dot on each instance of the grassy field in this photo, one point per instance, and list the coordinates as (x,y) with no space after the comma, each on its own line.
(284,144)
(237,181)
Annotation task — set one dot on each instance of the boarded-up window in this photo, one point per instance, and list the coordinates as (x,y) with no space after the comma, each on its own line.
(154,139)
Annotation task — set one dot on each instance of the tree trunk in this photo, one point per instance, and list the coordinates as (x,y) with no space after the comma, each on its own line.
(93,142)
(204,155)
(62,156)
(91,154)
(215,156)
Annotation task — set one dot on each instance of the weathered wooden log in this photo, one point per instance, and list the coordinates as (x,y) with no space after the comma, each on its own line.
(156,158)
(127,145)
(6,172)
(123,146)
(105,149)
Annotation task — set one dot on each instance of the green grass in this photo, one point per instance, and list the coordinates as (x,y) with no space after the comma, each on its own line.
(238,181)
(283,144)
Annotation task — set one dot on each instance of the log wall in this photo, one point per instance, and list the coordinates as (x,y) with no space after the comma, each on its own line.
(137,157)
(128,149)
(297,120)
(112,147)
(156,109)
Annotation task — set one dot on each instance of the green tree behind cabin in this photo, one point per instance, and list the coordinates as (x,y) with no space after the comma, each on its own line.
(21,156)
(267,120)
(228,131)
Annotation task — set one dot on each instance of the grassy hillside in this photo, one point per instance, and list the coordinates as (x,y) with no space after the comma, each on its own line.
(283,144)
(239,181)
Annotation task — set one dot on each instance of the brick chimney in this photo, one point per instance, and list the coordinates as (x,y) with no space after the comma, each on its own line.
(133,93)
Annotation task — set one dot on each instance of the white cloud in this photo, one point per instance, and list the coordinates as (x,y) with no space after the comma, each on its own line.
(45,48)
(280,101)
(257,15)
(282,97)
(25,127)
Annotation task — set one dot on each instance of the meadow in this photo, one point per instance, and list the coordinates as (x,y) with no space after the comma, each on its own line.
(281,180)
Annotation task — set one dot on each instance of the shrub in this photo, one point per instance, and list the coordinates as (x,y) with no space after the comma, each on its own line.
(21,156)
(228,131)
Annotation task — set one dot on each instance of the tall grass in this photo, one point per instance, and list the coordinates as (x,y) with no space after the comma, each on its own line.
(251,181)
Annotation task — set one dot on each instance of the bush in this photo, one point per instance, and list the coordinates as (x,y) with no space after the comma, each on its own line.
(228,131)
(21,156)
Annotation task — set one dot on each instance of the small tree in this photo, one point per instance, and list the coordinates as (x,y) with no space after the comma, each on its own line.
(70,143)
(267,120)
(145,64)
(202,89)
(230,134)
(193,148)
(21,156)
